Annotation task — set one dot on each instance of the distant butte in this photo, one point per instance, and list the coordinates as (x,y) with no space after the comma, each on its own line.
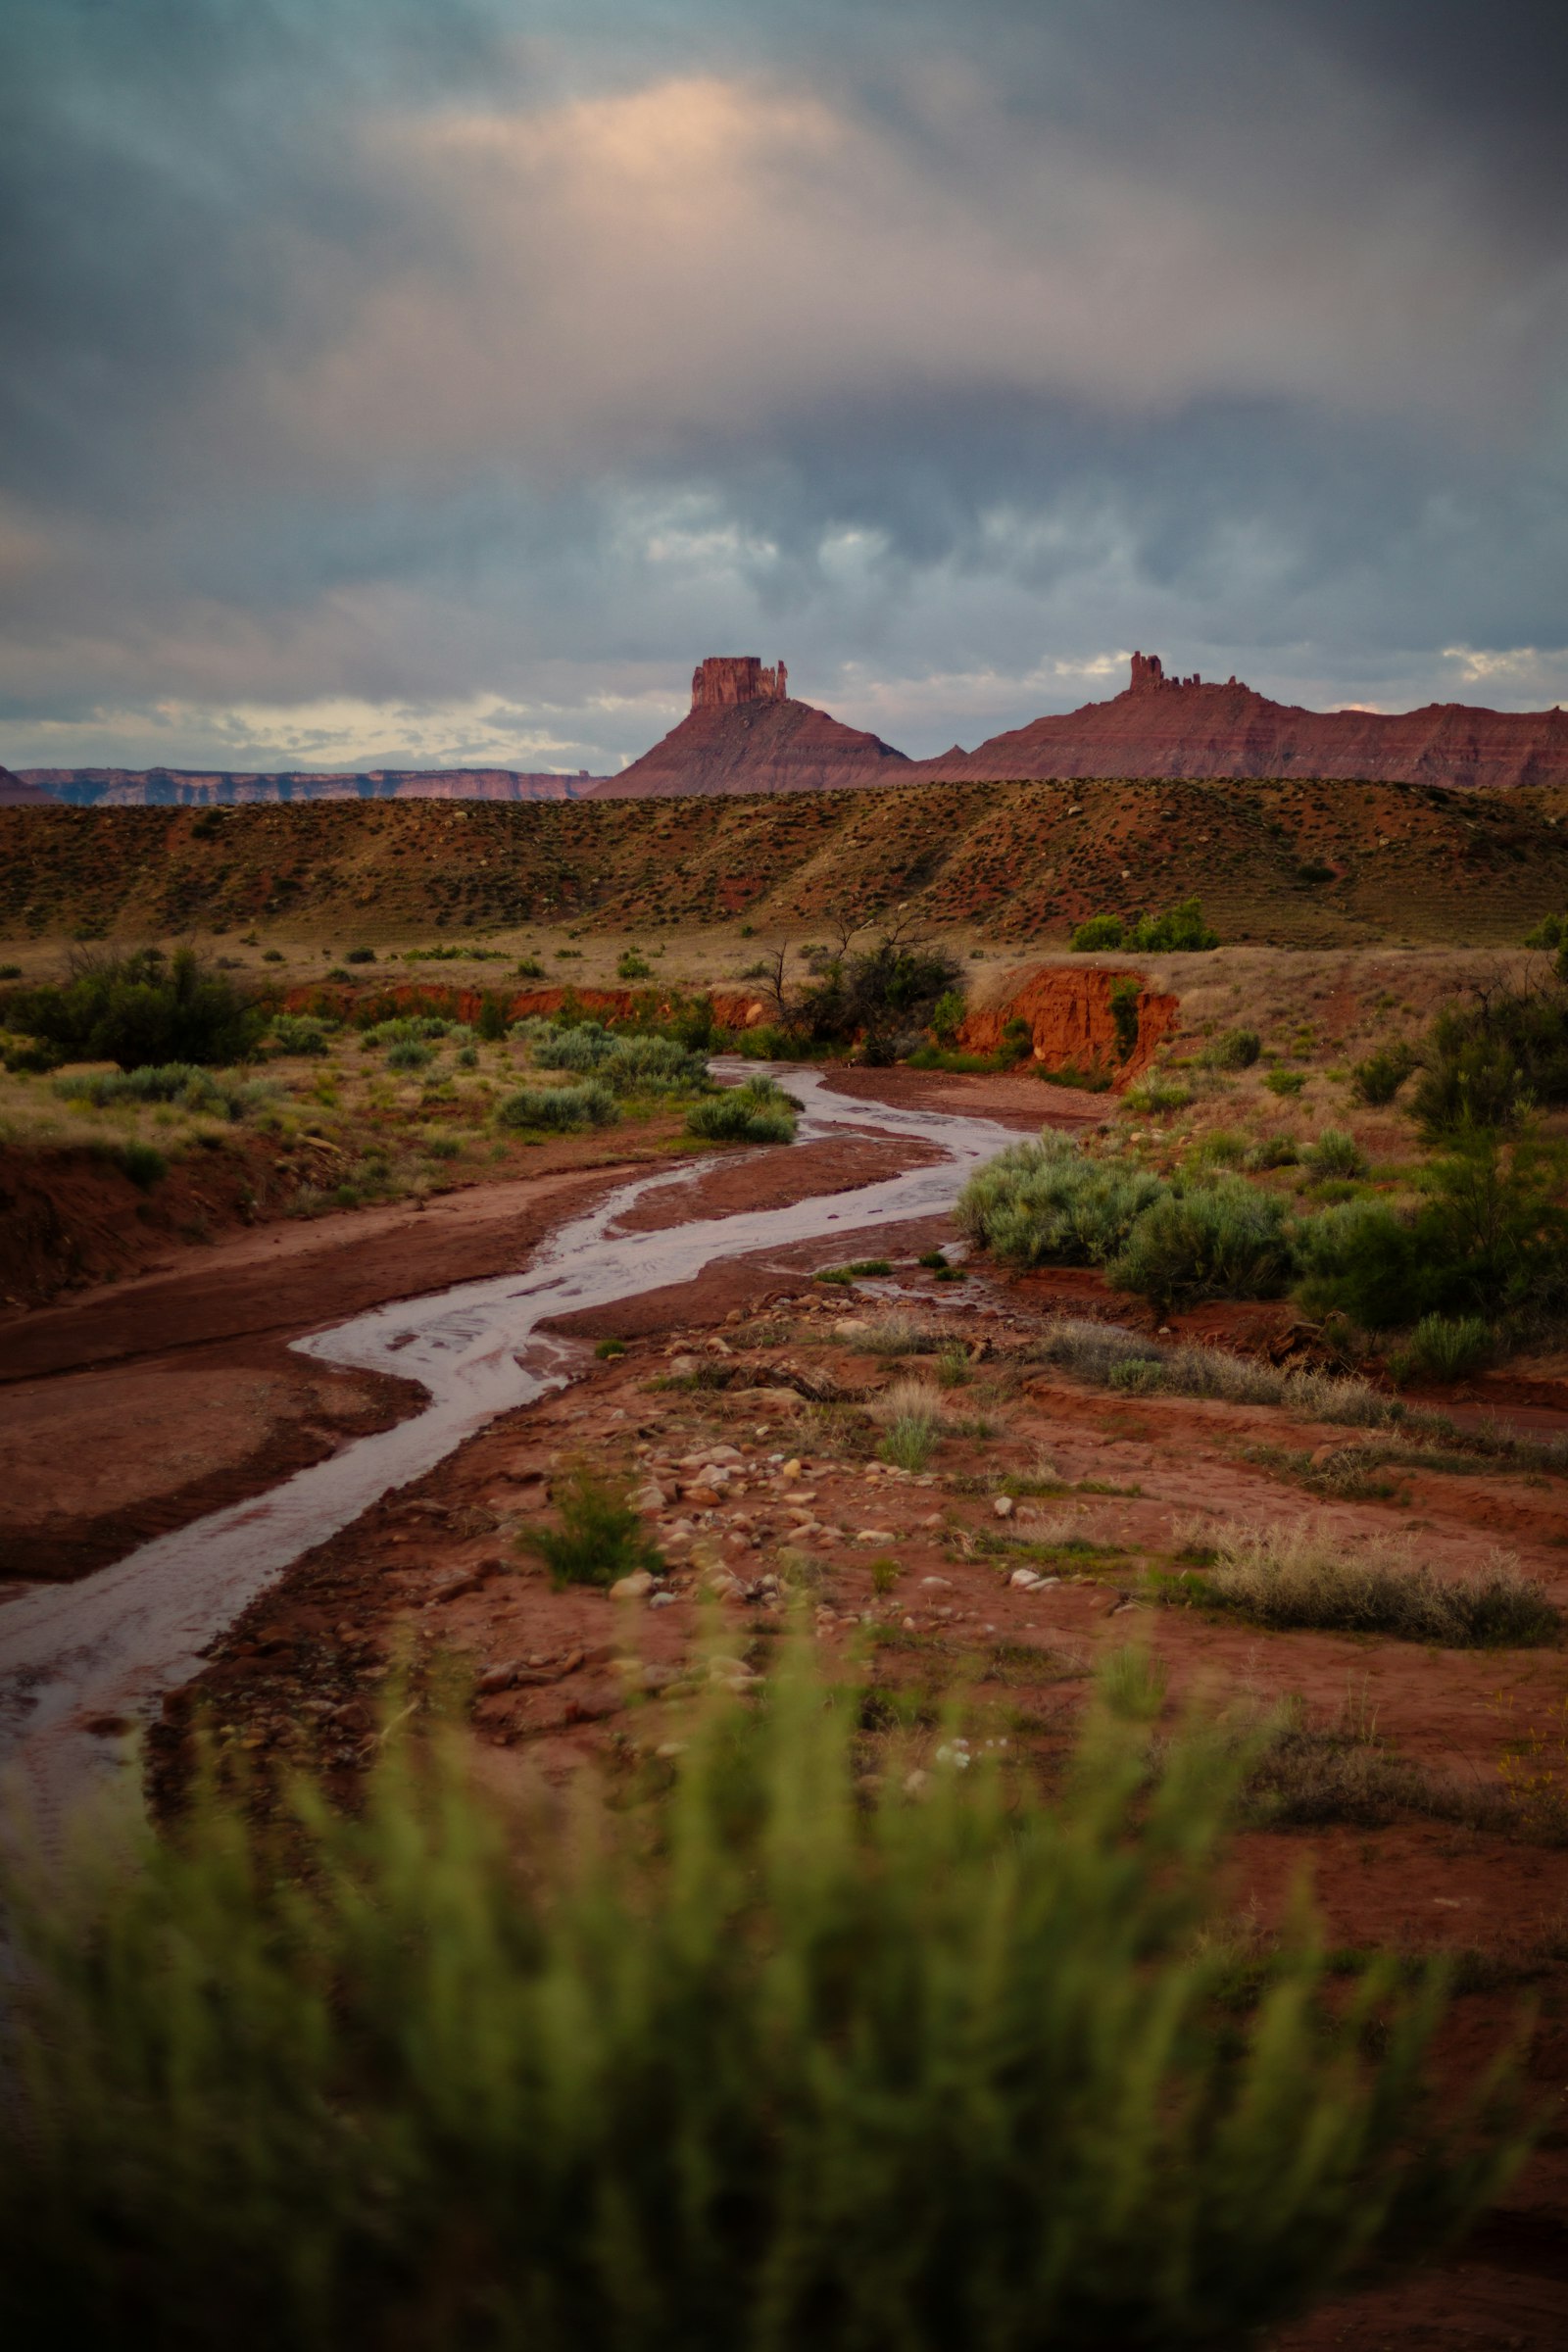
(746,733)
(1174,727)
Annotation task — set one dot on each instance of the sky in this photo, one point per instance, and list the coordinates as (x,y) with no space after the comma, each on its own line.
(434,382)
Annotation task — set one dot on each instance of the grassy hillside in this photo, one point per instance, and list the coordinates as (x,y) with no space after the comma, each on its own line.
(1294,863)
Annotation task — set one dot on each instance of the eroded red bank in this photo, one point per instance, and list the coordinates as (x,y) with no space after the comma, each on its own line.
(1068,1009)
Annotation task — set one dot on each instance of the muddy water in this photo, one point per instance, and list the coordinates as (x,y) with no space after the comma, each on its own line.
(79,1662)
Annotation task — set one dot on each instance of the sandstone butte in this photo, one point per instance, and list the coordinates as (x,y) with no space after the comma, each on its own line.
(1170,727)
(745,732)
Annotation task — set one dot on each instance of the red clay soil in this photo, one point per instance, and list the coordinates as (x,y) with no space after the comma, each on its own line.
(70,1218)
(130,1412)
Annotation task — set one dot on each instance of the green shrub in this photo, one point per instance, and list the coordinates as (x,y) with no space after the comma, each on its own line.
(601,1538)
(409,1054)
(758,1113)
(1157,1093)
(1335,1153)
(634,965)
(1100,931)
(581,1047)
(1224,1240)
(1304,1575)
(1272,1152)
(1285,1082)
(1124,1001)
(1234,1049)
(1378,1078)
(298,1033)
(1551,932)
(1489,1239)
(1180,930)
(359,956)
(947,1016)
(786,2060)
(142,1163)
(141,1009)
(530,968)
(1443,1347)
(651,1065)
(1048,1203)
(558,1108)
(194,1090)
(1487,1062)
(492,1022)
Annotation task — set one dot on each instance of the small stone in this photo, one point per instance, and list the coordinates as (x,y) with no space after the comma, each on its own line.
(1024,1578)
(662,1601)
(937,1584)
(792,1469)
(633,1587)
(649,1498)
(1003,1506)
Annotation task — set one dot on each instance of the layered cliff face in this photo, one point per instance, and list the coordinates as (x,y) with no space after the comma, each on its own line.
(16,792)
(1172,727)
(745,733)
(191,788)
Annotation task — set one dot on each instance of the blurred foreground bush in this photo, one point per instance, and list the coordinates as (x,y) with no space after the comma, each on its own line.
(784,2055)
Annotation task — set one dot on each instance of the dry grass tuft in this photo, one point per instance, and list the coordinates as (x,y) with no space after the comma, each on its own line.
(1306,1575)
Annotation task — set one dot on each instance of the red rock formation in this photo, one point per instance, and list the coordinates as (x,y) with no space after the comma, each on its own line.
(1070,1019)
(1160,726)
(726,680)
(20,792)
(746,733)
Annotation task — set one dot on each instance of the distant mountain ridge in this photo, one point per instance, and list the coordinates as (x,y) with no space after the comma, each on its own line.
(747,733)
(20,792)
(217,788)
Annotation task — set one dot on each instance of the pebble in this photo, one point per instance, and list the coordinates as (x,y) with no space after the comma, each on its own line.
(1003,1506)
(633,1587)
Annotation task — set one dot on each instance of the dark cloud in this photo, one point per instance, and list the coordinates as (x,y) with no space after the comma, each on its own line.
(425,355)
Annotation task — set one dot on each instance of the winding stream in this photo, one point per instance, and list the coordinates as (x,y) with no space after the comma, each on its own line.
(78,1660)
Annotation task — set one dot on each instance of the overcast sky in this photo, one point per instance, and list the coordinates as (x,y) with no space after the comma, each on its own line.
(431,381)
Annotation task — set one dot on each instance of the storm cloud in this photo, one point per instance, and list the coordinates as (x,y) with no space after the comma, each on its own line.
(428,380)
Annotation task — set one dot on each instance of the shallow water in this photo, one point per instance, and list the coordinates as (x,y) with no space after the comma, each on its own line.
(110,1645)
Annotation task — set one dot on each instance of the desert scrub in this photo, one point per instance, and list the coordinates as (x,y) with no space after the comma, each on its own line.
(601,1537)
(558,1108)
(1224,1240)
(913,1421)
(1233,1050)
(182,1083)
(758,1113)
(1048,1202)
(1334,1154)
(1157,1093)
(1443,1347)
(792,2054)
(1307,1575)
(1378,1078)
(1123,1359)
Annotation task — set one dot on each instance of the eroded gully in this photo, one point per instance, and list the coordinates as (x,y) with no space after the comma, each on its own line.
(79,1662)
